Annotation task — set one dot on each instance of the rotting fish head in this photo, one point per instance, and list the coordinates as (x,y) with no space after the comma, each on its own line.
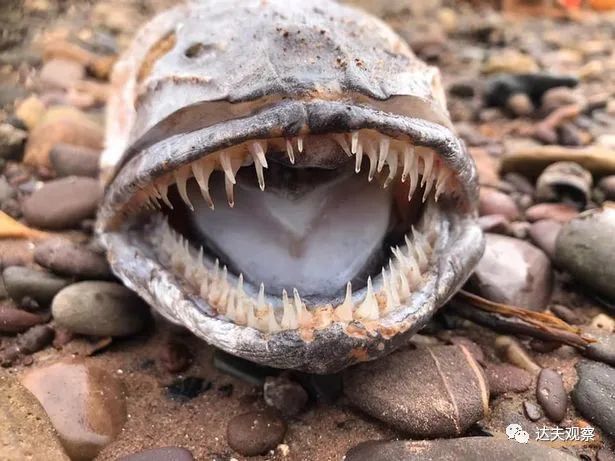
(284,181)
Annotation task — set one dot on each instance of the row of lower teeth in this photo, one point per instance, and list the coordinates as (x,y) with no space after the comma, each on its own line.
(419,166)
(404,275)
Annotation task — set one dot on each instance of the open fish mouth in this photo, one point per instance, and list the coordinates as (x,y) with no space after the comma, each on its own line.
(306,233)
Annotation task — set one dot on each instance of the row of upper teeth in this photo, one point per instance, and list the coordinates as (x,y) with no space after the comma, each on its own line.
(420,166)
(404,275)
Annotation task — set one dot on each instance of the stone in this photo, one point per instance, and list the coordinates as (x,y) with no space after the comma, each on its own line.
(492,201)
(531,160)
(38,285)
(255,433)
(603,322)
(69,160)
(160,454)
(71,259)
(25,430)
(486,165)
(462,449)
(436,391)
(559,212)
(63,203)
(515,272)
(35,339)
(509,61)
(30,111)
(603,350)
(13,320)
(286,396)
(99,309)
(12,141)
(543,233)
(565,182)
(520,104)
(85,404)
(607,186)
(531,411)
(507,378)
(495,223)
(566,314)
(61,124)
(61,73)
(175,356)
(584,248)
(551,394)
(560,96)
(594,394)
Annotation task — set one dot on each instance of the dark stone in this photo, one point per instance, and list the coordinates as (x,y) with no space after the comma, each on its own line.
(322,388)
(69,160)
(507,378)
(40,286)
(160,454)
(566,314)
(594,394)
(500,87)
(255,433)
(286,396)
(13,320)
(67,258)
(437,391)
(187,388)
(551,394)
(603,350)
(463,449)
(35,339)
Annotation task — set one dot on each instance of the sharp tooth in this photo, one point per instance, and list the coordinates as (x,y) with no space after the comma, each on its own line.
(225,287)
(392,162)
(414,179)
(354,141)
(216,270)
(368,310)
(230,196)
(443,176)
(373,159)
(289,317)
(429,185)
(409,158)
(390,304)
(427,165)
(300,144)
(225,161)
(230,310)
(181,177)
(202,171)
(289,151)
(341,140)
(304,318)
(343,312)
(272,323)
(257,149)
(204,288)
(358,158)
(404,289)
(163,191)
(252,320)
(384,152)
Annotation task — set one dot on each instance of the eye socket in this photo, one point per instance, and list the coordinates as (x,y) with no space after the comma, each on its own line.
(197,49)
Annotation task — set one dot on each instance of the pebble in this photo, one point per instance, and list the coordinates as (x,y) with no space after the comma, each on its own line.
(515,272)
(63,203)
(11,141)
(564,182)
(69,160)
(71,259)
(603,322)
(61,124)
(509,61)
(160,454)
(30,111)
(559,212)
(286,396)
(607,186)
(436,391)
(511,350)
(585,247)
(492,201)
(507,378)
(13,320)
(38,285)
(543,233)
(35,339)
(603,350)
(566,314)
(471,346)
(255,433)
(569,135)
(560,96)
(531,411)
(520,104)
(594,394)
(551,394)
(85,404)
(61,73)
(99,309)
(496,223)
(25,430)
(461,449)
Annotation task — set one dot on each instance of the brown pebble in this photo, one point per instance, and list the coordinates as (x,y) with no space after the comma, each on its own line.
(544,234)
(13,320)
(69,160)
(551,394)
(67,258)
(559,212)
(471,346)
(492,201)
(255,433)
(504,378)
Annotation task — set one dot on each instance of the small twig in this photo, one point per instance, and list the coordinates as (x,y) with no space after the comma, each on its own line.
(512,319)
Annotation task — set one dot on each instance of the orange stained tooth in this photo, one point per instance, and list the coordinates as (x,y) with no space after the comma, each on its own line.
(289,317)
(343,312)
(368,310)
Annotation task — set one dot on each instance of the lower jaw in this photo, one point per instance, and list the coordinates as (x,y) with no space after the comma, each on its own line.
(315,348)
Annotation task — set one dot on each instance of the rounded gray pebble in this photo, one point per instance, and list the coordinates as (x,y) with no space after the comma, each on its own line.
(38,285)
(551,394)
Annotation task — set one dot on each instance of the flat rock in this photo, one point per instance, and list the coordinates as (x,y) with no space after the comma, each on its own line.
(436,391)
(63,203)
(515,272)
(38,285)
(507,378)
(585,248)
(543,234)
(85,404)
(67,258)
(69,160)
(551,394)
(286,396)
(463,449)
(255,433)
(25,430)
(594,394)
(160,454)
(99,309)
